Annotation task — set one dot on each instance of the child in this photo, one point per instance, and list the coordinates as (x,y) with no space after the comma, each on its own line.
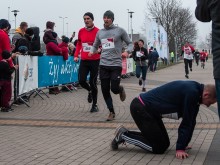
(5,81)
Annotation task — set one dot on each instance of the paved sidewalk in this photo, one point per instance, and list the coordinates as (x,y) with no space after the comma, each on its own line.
(61,130)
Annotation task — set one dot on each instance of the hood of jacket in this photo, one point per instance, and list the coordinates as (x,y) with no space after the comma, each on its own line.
(18,30)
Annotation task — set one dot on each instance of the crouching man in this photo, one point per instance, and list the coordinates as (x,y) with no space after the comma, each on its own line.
(177,99)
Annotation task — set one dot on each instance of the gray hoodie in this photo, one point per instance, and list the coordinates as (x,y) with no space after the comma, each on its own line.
(111,39)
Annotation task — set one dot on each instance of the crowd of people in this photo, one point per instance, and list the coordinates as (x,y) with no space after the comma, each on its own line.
(100,52)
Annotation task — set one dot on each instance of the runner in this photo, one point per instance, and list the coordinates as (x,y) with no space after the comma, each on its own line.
(188,51)
(140,55)
(164,101)
(86,37)
(111,38)
(202,58)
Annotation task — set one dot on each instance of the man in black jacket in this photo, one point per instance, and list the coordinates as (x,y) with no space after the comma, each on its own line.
(206,11)
(177,99)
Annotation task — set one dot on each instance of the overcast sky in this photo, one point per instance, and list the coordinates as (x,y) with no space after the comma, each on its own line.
(38,12)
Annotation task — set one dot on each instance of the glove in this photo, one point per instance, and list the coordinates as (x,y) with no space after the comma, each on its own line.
(181,154)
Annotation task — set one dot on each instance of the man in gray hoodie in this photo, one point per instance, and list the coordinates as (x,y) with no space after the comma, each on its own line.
(111,38)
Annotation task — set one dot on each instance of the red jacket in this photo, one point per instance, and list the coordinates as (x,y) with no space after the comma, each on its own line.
(86,39)
(64,49)
(53,49)
(5,45)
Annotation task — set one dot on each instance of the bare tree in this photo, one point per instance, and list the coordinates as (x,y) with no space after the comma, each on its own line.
(177,21)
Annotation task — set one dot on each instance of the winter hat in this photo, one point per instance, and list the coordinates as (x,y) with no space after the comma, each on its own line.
(109,14)
(5,54)
(66,39)
(4,23)
(50,25)
(90,15)
(29,32)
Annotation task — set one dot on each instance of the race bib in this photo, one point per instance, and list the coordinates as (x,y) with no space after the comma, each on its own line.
(86,47)
(139,54)
(108,43)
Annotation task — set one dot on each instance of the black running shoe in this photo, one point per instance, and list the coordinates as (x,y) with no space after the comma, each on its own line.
(122,94)
(94,109)
(118,137)
(90,97)
(140,82)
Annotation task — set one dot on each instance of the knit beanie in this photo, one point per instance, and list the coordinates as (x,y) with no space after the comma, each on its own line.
(4,23)
(6,55)
(50,25)
(109,14)
(29,32)
(66,40)
(90,15)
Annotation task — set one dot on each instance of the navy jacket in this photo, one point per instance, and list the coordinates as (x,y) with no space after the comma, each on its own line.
(182,97)
(206,11)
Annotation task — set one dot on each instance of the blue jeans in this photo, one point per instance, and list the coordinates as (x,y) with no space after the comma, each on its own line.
(217,86)
(141,70)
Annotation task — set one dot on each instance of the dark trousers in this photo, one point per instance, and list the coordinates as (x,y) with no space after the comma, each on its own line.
(6,92)
(110,77)
(153,66)
(188,64)
(92,67)
(153,136)
(217,86)
(141,70)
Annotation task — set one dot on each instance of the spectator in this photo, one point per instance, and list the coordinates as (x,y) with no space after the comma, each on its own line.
(172,57)
(4,39)
(48,36)
(19,32)
(5,81)
(52,50)
(150,58)
(154,59)
(64,47)
(206,11)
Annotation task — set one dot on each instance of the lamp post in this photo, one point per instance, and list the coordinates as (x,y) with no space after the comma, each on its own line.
(131,12)
(63,22)
(8,14)
(128,20)
(67,29)
(15,14)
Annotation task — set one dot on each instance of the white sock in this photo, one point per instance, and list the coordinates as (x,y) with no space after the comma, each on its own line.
(144,83)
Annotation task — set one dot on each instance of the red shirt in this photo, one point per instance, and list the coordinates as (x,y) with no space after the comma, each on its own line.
(202,55)
(86,39)
(5,45)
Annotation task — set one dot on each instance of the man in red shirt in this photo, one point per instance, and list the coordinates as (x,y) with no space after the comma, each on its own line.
(202,58)
(86,37)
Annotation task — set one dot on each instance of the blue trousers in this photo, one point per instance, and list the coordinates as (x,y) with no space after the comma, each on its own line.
(141,70)
(217,86)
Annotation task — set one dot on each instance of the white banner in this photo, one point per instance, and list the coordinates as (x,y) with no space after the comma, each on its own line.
(28,73)
(156,37)
(130,65)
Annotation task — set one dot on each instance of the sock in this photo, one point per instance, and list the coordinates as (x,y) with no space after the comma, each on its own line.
(112,110)
(144,83)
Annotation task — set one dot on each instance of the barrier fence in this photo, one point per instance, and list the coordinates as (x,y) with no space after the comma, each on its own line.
(37,72)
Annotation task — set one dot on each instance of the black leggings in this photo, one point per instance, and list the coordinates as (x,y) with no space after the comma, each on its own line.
(153,136)
(86,67)
(187,63)
(110,77)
